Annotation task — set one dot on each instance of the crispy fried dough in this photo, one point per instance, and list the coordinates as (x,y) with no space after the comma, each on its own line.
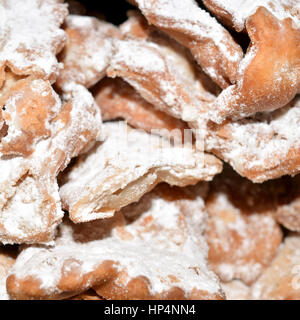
(151,250)
(125,166)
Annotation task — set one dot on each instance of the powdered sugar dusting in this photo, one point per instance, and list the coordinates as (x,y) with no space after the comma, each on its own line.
(87,53)
(281,280)
(127,157)
(241,10)
(29,199)
(188,16)
(200,32)
(261,143)
(160,252)
(139,57)
(242,243)
(31,106)
(24,49)
(159,75)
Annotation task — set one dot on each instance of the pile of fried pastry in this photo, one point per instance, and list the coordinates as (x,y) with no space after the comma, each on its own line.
(89,211)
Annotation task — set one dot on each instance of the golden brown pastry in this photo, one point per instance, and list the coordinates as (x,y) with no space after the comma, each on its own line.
(29,107)
(235,13)
(153,249)
(128,164)
(211,45)
(281,281)
(87,52)
(242,234)
(268,76)
(260,148)
(30,206)
(161,70)
(24,50)
(117,99)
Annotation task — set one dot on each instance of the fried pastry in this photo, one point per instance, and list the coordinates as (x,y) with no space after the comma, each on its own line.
(28,108)
(268,77)
(211,45)
(161,75)
(116,211)
(235,13)
(137,27)
(125,166)
(260,148)
(87,52)
(242,234)
(150,250)
(117,99)
(165,75)
(29,199)
(7,259)
(24,50)
(281,280)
